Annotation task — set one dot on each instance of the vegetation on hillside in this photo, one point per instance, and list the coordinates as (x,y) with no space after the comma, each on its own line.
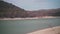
(8,10)
(42,13)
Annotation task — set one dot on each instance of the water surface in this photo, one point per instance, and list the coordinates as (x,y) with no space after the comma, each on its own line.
(26,26)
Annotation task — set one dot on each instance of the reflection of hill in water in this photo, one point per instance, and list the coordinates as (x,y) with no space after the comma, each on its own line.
(27,26)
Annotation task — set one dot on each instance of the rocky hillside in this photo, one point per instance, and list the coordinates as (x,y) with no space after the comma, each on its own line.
(8,10)
(41,13)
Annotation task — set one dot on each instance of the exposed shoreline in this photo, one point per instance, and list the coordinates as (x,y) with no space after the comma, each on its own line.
(27,18)
(53,30)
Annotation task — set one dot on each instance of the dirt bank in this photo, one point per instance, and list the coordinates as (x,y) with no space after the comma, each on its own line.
(27,18)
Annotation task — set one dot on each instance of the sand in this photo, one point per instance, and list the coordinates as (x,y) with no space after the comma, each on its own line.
(53,30)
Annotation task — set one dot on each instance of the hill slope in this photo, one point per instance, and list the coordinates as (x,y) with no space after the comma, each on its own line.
(42,13)
(9,10)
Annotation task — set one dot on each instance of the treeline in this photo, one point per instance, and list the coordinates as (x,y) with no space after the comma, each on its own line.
(8,10)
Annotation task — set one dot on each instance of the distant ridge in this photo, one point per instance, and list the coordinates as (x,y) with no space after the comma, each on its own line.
(44,12)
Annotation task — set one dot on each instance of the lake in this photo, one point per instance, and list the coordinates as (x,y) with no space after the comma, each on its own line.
(27,26)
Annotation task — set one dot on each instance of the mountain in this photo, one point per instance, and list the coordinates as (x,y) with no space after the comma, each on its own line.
(42,13)
(9,10)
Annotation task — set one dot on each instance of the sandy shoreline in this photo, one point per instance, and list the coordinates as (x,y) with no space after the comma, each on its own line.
(53,30)
(26,18)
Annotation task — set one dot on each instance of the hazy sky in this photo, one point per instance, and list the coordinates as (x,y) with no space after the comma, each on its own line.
(36,4)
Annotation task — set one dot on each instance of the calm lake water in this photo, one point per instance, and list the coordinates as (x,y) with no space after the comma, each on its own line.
(27,26)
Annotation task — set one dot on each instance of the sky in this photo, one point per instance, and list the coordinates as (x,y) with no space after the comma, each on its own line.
(36,4)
